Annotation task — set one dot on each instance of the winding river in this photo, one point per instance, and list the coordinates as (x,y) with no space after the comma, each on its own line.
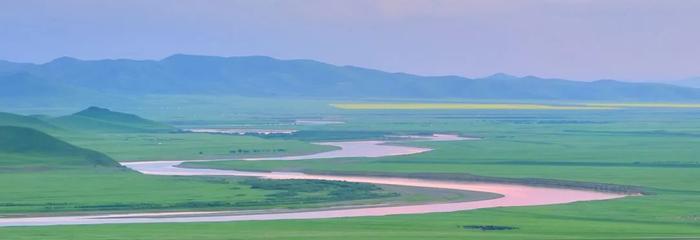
(512,194)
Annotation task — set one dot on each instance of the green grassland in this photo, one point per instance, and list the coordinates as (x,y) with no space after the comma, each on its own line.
(574,221)
(185,146)
(126,137)
(42,174)
(48,182)
(79,190)
(654,149)
(41,188)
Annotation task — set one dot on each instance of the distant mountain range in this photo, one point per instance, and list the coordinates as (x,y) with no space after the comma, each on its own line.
(69,79)
(689,82)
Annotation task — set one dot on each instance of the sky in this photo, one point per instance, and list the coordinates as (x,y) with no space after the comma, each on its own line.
(634,40)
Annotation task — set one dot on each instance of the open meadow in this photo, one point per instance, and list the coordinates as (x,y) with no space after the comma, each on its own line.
(648,150)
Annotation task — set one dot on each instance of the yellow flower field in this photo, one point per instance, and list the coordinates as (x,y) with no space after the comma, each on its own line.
(457,106)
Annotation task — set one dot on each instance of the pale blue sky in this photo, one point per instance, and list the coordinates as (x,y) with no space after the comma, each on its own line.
(576,39)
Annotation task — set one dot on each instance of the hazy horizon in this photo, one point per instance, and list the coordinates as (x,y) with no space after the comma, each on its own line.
(577,40)
(290,59)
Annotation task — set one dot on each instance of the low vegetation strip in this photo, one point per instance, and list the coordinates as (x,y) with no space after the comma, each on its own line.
(222,194)
(464,106)
(488,227)
(298,190)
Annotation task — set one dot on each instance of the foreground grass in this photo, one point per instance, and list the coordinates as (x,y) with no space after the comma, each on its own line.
(87,190)
(634,218)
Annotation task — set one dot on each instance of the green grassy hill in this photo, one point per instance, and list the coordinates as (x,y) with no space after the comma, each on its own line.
(95,119)
(9,119)
(22,147)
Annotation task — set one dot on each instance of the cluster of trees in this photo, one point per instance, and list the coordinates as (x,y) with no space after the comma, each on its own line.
(239,151)
(328,135)
(488,227)
(246,151)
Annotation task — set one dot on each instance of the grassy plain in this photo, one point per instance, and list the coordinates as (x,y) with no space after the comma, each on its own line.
(44,173)
(185,146)
(41,174)
(655,149)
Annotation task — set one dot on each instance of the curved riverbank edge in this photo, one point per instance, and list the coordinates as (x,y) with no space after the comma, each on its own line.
(513,194)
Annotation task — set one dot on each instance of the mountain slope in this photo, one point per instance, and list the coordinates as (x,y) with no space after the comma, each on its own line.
(23,147)
(6,66)
(690,82)
(268,77)
(95,119)
(25,84)
(26,89)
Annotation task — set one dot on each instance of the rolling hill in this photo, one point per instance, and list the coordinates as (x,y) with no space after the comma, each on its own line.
(9,119)
(258,76)
(27,147)
(95,119)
